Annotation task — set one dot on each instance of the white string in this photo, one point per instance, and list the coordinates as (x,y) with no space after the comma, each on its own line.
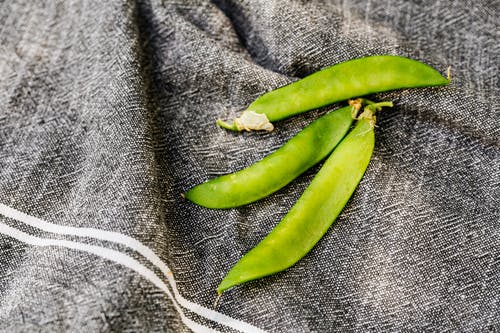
(137,246)
(109,254)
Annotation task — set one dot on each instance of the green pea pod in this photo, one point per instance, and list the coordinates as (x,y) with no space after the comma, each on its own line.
(259,180)
(313,213)
(358,77)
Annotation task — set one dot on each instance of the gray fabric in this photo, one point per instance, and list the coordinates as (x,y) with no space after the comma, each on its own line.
(107,113)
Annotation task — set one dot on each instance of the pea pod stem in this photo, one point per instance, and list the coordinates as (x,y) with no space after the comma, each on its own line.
(358,103)
(314,212)
(358,77)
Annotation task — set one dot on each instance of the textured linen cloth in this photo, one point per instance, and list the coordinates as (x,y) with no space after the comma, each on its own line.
(107,115)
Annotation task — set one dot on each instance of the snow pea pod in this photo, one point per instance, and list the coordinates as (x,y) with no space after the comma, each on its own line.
(314,211)
(259,180)
(358,77)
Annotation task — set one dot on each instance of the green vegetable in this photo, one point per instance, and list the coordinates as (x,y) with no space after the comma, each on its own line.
(358,77)
(330,190)
(259,180)
(315,210)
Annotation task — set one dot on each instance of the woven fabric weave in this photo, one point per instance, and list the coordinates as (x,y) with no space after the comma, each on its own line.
(107,115)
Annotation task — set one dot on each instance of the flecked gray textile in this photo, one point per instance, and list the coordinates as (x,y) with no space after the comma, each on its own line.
(107,113)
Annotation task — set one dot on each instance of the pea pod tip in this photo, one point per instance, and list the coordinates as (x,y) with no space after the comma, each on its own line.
(217,299)
(248,121)
(222,124)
